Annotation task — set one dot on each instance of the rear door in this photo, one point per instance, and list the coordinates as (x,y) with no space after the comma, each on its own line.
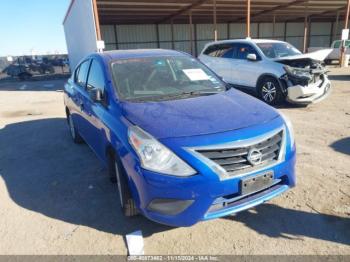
(95,110)
(77,94)
(218,57)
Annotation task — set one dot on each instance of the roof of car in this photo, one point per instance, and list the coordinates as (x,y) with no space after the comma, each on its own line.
(136,53)
(246,40)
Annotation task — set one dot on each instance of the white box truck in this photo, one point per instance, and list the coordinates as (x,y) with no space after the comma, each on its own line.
(80,31)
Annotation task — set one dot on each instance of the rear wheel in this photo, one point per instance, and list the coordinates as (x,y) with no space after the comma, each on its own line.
(73,130)
(270,91)
(328,61)
(118,176)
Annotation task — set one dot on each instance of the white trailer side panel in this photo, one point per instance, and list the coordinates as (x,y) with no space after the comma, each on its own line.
(80,31)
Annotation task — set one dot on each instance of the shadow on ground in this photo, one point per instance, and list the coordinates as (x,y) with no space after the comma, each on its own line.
(340,77)
(274,221)
(46,173)
(342,145)
(34,85)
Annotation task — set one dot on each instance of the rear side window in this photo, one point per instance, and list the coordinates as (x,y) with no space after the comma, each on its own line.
(81,73)
(221,50)
(338,43)
(96,77)
(211,50)
(243,50)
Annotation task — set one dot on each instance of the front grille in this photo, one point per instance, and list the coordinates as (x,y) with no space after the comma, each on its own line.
(238,160)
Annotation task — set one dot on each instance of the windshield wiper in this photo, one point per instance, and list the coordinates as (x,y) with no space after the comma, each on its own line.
(182,94)
(200,92)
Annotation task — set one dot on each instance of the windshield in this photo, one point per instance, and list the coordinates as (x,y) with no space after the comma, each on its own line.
(336,44)
(277,49)
(163,78)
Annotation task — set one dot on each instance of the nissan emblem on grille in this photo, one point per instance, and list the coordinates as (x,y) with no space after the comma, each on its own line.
(254,156)
(247,157)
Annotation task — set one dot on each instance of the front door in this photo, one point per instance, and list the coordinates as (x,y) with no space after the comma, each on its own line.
(249,71)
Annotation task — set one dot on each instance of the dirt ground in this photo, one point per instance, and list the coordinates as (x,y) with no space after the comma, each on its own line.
(55,196)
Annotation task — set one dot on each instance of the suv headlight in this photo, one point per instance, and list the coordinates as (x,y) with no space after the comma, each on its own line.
(298,72)
(156,157)
(289,127)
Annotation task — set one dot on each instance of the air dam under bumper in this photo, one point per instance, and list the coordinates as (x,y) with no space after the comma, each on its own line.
(311,93)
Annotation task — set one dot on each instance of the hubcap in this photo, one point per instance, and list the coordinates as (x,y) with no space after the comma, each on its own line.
(119,184)
(71,126)
(269,91)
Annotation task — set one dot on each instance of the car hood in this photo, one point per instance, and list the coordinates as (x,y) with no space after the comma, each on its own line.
(319,56)
(202,115)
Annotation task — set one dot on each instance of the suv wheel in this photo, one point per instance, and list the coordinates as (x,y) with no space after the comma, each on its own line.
(118,176)
(270,91)
(73,130)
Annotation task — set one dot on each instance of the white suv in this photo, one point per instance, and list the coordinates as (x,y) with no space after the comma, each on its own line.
(274,69)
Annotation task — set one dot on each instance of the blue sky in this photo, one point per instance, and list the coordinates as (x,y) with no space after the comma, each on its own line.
(32,24)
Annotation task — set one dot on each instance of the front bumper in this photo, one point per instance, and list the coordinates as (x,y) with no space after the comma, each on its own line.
(209,196)
(213,200)
(311,93)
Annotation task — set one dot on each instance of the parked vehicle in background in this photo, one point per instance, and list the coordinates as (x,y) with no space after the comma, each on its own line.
(335,54)
(180,143)
(42,68)
(275,70)
(18,71)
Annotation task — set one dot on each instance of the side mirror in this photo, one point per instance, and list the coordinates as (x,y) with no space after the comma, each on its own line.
(251,57)
(96,95)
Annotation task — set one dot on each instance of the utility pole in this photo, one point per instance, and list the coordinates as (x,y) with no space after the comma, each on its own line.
(343,47)
(248,18)
(215,22)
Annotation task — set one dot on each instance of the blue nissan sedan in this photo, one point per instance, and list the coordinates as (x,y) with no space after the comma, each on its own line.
(181,145)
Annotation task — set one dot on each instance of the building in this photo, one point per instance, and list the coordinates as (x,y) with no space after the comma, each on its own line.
(188,25)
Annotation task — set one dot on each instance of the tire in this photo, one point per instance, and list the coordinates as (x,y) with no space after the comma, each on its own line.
(77,139)
(328,61)
(269,91)
(117,175)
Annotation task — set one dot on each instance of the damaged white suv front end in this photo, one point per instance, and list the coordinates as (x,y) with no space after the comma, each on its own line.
(305,80)
(275,70)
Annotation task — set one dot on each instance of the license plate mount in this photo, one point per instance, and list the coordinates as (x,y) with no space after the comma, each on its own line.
(257,183)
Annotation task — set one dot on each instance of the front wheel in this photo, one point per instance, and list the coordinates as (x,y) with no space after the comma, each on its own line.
(270,91)
(118,176)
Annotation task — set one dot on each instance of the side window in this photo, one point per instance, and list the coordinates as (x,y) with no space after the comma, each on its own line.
(221,50)
(227,51)
(96,77)
(82,72)
(76,73)
(336,44)
(243,50)
(211,50)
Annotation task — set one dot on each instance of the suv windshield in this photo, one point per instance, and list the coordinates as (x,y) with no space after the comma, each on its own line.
(277,50)
(163,78)
(336,44)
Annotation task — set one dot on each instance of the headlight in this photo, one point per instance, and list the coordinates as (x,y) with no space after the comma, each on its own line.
(289,127)
(298,72)
(156,157)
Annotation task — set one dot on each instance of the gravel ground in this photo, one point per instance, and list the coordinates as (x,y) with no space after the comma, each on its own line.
(55,197)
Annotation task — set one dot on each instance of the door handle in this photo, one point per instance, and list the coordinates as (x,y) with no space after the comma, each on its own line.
(81,104)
